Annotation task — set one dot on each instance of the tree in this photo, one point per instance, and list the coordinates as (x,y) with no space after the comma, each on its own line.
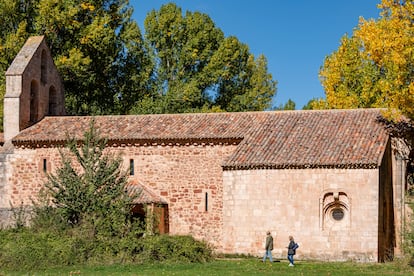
(183,64)
(97,48)
(99,51)
(198,69)
(315,103)
(374,67)
(289,105)
(89,188)
(16,22)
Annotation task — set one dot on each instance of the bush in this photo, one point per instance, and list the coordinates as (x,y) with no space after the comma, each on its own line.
(164,248)
(25,249)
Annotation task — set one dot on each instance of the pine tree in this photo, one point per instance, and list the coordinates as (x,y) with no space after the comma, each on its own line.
(90,187)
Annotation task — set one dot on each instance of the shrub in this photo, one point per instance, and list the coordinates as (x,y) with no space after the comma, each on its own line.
(25,249)
(164,248)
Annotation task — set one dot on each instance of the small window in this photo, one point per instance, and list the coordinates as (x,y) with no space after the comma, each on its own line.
(206,202)
(338,214)
(131,167)
(44,165)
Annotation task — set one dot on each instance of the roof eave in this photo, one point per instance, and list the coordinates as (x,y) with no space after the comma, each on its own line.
(135,142)
(232,167)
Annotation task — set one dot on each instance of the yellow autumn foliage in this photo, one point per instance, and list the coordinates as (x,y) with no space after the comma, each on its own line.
(87,6)
(375,66)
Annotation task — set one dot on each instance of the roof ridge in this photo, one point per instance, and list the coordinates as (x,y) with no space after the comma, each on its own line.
(226,113)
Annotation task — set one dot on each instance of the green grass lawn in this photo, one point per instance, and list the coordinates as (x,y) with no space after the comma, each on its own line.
(232,267)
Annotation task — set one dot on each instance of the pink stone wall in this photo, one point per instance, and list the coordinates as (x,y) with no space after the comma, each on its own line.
(242,205)
(26,176)
(291,202)
(182,175)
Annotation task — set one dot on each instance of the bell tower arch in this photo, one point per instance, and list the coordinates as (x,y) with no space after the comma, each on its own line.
(33,88)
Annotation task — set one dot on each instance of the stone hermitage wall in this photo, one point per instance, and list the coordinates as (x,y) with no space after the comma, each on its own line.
(182,175)
(290,202)
(25,174)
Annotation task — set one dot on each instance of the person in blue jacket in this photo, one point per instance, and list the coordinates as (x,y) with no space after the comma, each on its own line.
(291,250)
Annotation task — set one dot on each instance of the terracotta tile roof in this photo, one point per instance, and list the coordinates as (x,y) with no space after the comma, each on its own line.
(309,139)
(279,139)
(144,195)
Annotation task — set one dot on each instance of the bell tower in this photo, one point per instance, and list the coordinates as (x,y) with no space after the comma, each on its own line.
(33,88)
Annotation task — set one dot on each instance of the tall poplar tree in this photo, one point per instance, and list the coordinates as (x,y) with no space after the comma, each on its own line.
(374,67)
(184,63)
(99,51)
(199,69)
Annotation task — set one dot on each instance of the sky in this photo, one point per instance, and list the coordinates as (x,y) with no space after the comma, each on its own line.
(295,36)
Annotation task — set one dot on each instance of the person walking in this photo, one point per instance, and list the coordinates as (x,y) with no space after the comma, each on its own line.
(291,250)
(268,247)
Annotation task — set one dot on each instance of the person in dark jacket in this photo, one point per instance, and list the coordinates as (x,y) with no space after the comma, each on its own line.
(268,247)
(291,250)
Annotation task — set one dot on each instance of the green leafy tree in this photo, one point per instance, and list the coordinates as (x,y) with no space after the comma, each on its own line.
(97,48)
(99,51)
(374,67)
(89,188)
(16,24)
(289,105)
(184,63)
(198,69)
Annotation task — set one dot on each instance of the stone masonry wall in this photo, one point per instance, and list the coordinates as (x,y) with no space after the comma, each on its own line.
(26,174)
(297,203)
(241,205)
(182,175)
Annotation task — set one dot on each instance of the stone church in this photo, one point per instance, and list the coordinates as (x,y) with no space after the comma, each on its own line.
(330,178)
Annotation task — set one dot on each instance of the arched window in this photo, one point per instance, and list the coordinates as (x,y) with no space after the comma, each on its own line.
(34,101)
(53,104)
(43,67)
(335,210)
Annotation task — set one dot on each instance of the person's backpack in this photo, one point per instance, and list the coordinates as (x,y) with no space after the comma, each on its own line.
(296,246)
